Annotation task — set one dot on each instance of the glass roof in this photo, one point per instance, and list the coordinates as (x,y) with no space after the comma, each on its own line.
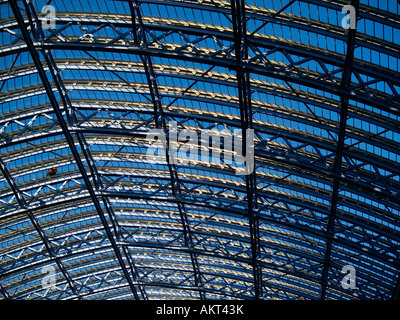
(125,145)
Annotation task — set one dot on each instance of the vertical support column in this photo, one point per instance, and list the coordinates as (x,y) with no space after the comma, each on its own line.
(238,8)
(345,83)
(160,122)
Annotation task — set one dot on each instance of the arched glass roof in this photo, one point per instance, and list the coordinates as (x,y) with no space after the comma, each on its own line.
(89,88)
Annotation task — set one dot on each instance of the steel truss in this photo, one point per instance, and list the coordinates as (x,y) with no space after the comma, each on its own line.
(83,97)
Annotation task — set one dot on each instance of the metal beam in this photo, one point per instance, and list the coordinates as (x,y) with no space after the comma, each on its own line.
(337,165)
(21,201)
(5,293)
(72,120)
(93,170)
(297,21)
(314,53)
(251,67)
(396,290)
(46,83)
(160,122)
(383,104)
(98,189)
(232,185)
(238,13)
(203,252)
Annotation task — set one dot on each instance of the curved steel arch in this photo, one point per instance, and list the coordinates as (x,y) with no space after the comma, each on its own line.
(324,105)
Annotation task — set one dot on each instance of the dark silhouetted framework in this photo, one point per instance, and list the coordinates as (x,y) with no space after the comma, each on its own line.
(80,91)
